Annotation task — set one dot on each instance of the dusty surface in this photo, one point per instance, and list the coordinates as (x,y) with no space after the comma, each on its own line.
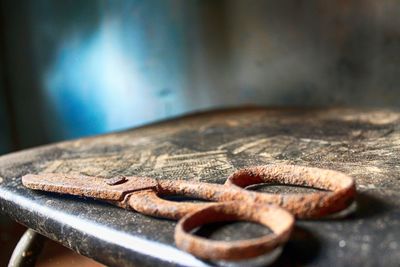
(208,147)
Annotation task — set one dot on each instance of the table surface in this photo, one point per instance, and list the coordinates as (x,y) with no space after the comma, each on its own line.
(208,147)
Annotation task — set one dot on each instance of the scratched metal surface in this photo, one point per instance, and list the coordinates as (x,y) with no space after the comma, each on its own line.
(208,147)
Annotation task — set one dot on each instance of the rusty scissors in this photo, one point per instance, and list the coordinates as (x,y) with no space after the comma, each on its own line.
(275,211)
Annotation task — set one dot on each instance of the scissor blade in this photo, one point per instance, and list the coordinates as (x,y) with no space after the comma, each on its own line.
(87,186)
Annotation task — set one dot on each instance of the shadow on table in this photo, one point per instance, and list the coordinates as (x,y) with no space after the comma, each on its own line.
(301,248)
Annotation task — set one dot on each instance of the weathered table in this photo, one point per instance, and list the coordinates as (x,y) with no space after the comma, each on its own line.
(208,147)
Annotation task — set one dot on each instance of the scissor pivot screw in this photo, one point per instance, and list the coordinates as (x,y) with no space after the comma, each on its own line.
(116,180)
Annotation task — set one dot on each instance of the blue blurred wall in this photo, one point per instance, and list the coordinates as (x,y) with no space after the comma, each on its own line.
(126,69)
(77,68)
(94,66)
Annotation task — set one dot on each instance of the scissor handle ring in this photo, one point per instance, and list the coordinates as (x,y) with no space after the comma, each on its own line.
(278,220)
(341,188)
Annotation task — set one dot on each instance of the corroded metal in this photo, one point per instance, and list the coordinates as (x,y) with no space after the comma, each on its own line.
(142,194)
(339,192)
(339,188)
(277,219)
(116,180)
(87,186)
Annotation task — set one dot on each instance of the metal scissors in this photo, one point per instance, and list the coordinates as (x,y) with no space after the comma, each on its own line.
(275,211)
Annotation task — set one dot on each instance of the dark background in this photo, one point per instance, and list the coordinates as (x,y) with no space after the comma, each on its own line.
(76,68)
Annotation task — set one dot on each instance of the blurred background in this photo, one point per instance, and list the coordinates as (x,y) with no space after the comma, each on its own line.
(76,68)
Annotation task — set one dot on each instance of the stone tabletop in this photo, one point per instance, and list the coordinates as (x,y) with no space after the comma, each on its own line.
(364,143)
